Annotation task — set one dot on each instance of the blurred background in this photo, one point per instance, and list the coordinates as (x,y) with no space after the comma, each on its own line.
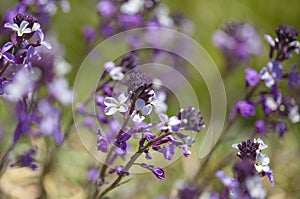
(72,163)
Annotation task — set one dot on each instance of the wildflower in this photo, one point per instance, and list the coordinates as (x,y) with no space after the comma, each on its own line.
(106,8)
(260,126)
(22,29)
(93,175)
(168,124)
(159,103)
(191,119)
(132,7)
(141,110)
(271,74)
(121,141)
(27,159)
(247,149)
(168,151)
(251,76)
(6,55)
(136,79)
(116,73)
(245,108)
(113,105)
(158,172)
(130,61)
(255,188)
(261,163)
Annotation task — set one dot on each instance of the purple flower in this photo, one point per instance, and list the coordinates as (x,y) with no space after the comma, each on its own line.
(245,108)
(130,21)
(141,109)
(106,8)
(247,149)
(119,170)
(260,126)
(244,169)
(271,74)
(168,124)
(252,77)
(121,141)
(168,151)
(158,172)
(89,33)
(6,55)
(189,191)
(191,120)
(270,176)
(27,159)
(93,175)
(293,77)
(281,128)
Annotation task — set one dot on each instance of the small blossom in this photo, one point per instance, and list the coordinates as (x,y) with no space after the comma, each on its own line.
(261,145)
(22,29)
(245,108)
(294,114)
(137,79)
(270,176)
(260,127)
(27,159)
(108,66)
(6,55)
(191,119)
(141,110)
(106,8)
(158,172)
(132,7)
(168,124)
(252,77)
(121,141)
(281,128)
(116,73)
(93,175)
(159,103)
(262,163)
(168,151)
(271,74)
(113,105)
(247,149)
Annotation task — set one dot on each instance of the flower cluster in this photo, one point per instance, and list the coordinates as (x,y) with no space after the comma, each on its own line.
(277,107)
(238,41)
(134,131)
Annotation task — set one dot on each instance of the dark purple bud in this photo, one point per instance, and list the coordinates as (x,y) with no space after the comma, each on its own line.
(260,126)
(245,108)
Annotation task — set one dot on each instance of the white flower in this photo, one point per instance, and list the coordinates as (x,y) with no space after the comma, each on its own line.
(158,101)
(271,103)
(164,19)
(294,114)
(167,123)
(20,30)
(262,145)
(59,88)
(116,73)
(113,105)
(262,163)
(132,7)
(141,109)
(21,85)
(255,187)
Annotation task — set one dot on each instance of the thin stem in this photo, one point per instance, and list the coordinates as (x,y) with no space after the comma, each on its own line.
(130,163)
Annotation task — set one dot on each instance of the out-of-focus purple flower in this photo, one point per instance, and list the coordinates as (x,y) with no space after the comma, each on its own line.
(293,77)
(168,124)
(6,55)
(3,82)
(188,191)
(89,33)
(191,120)
(255,188)
(272,73)
(158,172)
(27,159)
(106,8)
(281,128)
(245,108)
(238,41)
(244,169)
(93,175)
(31,55)
(50,121)
(252,77)
(130,21)
(260,126)
(130,61)
(102,143)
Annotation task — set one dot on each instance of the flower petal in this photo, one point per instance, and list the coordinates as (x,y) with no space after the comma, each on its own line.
(6,47)
(163,117)
(123,98)
(110,110)
(147,109)
(123,108)
(110,101)
(23,25)
(139,104)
